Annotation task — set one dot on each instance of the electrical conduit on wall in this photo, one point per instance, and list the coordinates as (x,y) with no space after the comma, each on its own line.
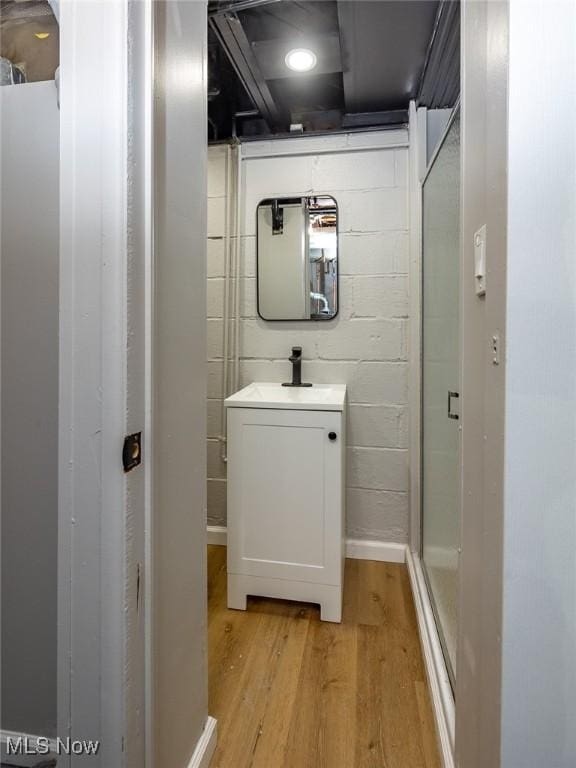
(232,258)
(226,306)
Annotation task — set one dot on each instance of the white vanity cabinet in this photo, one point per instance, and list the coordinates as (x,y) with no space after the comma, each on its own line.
(286,458)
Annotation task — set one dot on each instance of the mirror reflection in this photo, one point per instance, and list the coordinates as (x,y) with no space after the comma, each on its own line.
(297,252)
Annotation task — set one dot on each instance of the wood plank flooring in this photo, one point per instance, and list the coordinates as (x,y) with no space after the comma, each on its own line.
(290,691)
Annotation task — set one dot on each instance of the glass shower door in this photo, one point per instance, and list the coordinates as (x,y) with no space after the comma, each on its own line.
(440,386)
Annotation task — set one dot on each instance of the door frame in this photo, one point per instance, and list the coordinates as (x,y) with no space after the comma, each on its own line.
(99,681)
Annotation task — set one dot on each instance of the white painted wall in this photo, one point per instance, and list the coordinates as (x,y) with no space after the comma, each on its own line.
(365,347)
(539,626)
(29,277)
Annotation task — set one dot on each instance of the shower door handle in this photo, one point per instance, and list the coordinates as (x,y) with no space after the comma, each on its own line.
(450,396)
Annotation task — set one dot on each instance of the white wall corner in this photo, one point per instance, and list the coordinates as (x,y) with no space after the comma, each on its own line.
(206,745)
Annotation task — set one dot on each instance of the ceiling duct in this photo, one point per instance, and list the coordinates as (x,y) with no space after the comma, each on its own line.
(384,46)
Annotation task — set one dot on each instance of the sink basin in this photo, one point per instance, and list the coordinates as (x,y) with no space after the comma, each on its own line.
(319,397)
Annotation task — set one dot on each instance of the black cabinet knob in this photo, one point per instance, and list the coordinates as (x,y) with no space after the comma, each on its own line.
(332,436)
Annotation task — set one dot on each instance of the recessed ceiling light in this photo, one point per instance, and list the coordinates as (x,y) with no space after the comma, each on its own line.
(41,35)
(301,60)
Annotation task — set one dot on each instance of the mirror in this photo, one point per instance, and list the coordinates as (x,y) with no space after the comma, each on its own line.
(297,258)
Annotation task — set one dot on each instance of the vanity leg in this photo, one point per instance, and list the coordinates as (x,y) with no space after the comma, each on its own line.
(237,598)
(331,606)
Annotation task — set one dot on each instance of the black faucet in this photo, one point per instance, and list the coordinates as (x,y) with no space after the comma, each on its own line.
(296,360)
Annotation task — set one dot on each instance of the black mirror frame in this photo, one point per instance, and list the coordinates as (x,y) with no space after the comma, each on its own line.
(295,198)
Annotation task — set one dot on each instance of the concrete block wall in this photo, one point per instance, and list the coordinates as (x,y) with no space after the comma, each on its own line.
(365,347)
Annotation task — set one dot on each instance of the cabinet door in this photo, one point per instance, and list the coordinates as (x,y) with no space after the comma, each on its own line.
(285,494)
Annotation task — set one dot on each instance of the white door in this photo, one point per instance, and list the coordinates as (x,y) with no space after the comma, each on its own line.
(285,494)
(29,276)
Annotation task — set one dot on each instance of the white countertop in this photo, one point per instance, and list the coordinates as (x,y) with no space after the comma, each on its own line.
(318,397)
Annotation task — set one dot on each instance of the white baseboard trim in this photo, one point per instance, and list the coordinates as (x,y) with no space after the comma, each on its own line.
(370,549)
(357,549)
(438,681)
(27,742)
(206,745)
(217,534)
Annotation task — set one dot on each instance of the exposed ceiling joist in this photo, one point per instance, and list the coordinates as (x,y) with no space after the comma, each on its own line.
(440,82)
(369,62)
(232,37)
(238,5)
(374,119)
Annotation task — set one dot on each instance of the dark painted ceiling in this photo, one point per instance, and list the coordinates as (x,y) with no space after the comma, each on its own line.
(374,56)
(384,47)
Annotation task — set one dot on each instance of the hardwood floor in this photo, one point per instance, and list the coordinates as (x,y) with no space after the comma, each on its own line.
(290,691)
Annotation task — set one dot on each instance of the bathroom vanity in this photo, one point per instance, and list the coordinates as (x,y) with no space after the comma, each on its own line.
(286,471)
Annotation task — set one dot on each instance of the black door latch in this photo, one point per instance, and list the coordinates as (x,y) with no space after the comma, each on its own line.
(132,451)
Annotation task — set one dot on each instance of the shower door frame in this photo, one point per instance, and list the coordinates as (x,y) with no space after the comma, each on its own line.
(429,167)
(441,692)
